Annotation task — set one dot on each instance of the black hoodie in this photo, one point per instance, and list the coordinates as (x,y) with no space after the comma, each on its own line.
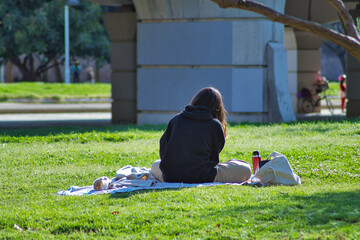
(190,146)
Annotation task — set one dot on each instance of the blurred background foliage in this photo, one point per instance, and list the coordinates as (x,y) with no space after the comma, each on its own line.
(32,34)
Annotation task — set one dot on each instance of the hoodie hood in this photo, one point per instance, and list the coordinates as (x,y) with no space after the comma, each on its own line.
(197,112)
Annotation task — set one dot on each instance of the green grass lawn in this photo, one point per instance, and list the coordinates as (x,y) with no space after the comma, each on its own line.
(55,91)
(37,163)
(60,91)
(333,89)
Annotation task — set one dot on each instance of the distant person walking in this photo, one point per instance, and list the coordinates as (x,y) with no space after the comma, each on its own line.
(76,69)
(90,75)
(342,80)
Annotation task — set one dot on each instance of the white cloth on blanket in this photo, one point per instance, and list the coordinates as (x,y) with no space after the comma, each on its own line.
(133,176)
(131,172)
(129,179)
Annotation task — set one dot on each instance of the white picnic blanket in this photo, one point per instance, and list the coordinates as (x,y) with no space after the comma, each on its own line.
(129,179)
(89,190)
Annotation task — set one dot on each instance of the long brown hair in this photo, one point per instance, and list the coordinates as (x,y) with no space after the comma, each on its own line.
(210,97)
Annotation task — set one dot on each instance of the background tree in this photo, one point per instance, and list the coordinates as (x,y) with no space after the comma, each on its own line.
(349,40)
(32,34)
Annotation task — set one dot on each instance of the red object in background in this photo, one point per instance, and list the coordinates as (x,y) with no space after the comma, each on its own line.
(342,79)
(256,159)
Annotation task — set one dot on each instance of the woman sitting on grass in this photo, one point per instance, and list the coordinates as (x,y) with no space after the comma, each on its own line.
(192,142)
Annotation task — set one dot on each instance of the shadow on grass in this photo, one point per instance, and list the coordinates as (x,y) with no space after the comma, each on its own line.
(352,120)
(135,193)
(29,132)
(320,126)
(53,131)
(331,206)
(320,210)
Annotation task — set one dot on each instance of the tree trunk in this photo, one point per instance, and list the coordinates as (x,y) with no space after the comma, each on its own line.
(58,77)
(26,68)
(97,73)
(9,74)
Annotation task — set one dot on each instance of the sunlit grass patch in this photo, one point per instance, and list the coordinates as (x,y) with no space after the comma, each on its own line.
(53,91)
(37,163)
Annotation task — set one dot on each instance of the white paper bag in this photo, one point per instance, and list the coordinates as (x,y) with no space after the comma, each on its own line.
(277,171)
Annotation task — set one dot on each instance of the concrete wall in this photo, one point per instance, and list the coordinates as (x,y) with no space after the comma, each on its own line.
(280,107)
(353,81)
(292,64)
(185,45)
(309,63)
(353,87)
(121,27)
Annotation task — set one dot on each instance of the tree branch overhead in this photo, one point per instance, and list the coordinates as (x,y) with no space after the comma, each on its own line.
(350,41)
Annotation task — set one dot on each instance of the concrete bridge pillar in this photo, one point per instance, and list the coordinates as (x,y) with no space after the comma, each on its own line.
(353,87)
(309,63)
(292,65)
(121,27)
(353,80)
(309,55)
(185,45)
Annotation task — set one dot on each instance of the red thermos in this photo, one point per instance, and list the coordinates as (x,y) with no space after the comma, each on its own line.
(256,159)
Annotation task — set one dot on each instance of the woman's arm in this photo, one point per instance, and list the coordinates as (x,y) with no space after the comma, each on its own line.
(165,139)
(218,143)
